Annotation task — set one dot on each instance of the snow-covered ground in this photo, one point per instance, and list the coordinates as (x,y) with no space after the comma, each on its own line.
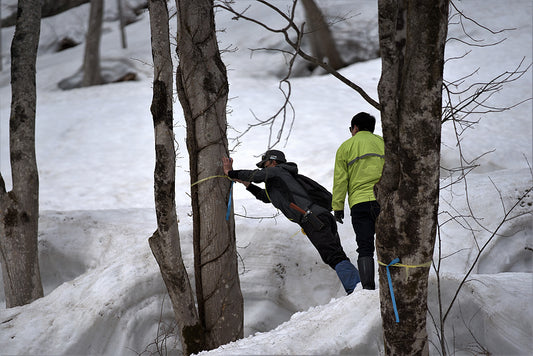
(103,291)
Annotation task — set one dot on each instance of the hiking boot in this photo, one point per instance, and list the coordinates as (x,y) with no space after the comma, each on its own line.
(366,271)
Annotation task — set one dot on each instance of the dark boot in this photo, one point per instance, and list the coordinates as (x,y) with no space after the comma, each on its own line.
(366,272)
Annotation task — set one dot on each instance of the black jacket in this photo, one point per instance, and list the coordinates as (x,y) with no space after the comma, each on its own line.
(281,189)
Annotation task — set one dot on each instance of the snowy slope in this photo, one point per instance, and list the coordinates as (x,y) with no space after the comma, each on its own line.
(103,291)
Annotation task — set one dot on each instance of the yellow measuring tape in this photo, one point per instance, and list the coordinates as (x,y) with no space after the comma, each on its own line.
(224,176)
(296,233)
(427,264)
(203,180)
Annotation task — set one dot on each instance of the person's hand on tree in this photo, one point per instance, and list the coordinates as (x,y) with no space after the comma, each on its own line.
(227,163)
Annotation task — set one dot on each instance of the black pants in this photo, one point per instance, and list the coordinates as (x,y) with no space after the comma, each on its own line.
(326,240)
(364,217)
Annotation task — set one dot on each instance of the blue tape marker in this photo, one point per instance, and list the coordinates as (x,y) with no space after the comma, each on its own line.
(229,201)
(396,260)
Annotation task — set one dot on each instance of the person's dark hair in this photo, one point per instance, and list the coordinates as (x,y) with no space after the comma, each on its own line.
(364,122)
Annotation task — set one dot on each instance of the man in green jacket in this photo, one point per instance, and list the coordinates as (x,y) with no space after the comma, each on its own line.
(358,166)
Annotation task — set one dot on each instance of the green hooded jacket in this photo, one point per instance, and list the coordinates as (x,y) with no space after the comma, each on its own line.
(358,166)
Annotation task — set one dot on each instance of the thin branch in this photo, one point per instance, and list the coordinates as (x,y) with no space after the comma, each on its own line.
(464,98)
(495,232)
(293,36)
(477,23)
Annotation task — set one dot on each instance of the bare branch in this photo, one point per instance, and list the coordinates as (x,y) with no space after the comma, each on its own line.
(261,218)
(505,218)
(479,93)
(293,35)
(462,99)
(462,15)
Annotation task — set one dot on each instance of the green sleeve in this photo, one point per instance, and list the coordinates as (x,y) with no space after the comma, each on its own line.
(340,181)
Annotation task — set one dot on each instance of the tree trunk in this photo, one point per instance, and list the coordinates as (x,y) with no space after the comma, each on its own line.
(91,60)
(322,42)
(412,39)
(1,52)
(203,90)
(19,209)
(122,24)
(165,242)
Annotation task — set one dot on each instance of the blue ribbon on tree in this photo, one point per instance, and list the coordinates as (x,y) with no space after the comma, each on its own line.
(396,260)
(229,201)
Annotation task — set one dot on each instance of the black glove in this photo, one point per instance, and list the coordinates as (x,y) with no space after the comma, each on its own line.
(339,215)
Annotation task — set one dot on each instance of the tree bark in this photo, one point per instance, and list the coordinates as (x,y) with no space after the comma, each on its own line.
(122,25)
(19,208)
(165,242)
(412,40)
(202,86)
(91,61)
(322,42)
(1,52)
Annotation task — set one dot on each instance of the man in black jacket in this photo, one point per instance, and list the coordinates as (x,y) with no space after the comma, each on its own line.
(287,195)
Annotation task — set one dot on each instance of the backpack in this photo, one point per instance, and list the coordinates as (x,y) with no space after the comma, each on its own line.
(317,193)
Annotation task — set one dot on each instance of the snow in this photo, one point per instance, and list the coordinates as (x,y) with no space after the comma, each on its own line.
(103,291)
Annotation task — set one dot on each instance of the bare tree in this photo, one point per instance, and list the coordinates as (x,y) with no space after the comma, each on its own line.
(165,242)
(19,208)
(412,39)
(322,43)
(202,87)
(91,60)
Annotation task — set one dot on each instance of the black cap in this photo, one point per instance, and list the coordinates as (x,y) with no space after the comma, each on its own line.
(272,155)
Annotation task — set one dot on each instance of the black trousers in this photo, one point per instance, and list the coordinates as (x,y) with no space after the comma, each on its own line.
(364,217)
(326,240)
